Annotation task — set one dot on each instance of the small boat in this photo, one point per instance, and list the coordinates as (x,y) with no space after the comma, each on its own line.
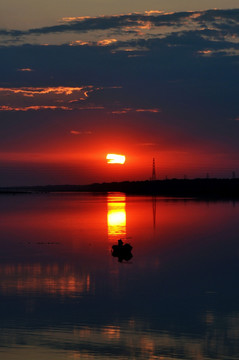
(122,251)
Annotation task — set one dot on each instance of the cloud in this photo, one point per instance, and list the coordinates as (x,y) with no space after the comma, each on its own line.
(48,107)
(148,144)
(35,108)
(129,21)
(45,98)
(151,22)
(76,132)
(104,42)
(148,110)
(59,90)
(128,110)
(25,70)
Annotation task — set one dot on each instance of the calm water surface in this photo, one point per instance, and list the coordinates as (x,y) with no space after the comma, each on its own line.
(63,296)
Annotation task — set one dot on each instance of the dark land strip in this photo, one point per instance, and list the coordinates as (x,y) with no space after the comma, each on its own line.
(185,188)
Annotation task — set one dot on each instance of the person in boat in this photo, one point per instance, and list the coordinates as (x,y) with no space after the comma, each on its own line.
(122,251)
(120,243)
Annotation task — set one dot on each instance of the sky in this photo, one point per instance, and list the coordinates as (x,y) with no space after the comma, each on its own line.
(80,79)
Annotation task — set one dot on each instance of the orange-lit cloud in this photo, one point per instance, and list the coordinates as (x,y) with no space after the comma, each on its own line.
(128,110)
(138,26)
(205,52)
(75,132)
(104,42)
(148,110)
(147,144)
(25,70)
(153,12)
(195,15)
(76,18)
(81,43)
(43,98)
(222,52)
(132,24)
(31,91)
(48,107)
(36,107)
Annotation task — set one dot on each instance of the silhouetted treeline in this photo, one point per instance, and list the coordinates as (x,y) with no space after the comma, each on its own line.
(199,188)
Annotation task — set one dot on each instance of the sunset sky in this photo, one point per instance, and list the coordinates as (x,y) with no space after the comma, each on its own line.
(145,79)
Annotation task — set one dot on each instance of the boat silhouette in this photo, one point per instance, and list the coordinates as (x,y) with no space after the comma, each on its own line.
(122,251)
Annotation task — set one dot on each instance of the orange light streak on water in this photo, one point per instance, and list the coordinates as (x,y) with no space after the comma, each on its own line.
(116,216)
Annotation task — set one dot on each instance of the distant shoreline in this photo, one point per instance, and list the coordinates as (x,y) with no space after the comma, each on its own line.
(185,188)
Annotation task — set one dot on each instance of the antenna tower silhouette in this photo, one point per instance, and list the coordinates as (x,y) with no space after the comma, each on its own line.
(153,171)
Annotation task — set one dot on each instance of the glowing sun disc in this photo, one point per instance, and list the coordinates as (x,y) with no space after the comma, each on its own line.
(115,159)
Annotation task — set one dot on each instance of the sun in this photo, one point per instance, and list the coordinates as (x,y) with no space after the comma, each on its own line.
(115,159)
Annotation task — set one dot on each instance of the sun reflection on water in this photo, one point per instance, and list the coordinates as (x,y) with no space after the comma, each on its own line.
(116,216)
